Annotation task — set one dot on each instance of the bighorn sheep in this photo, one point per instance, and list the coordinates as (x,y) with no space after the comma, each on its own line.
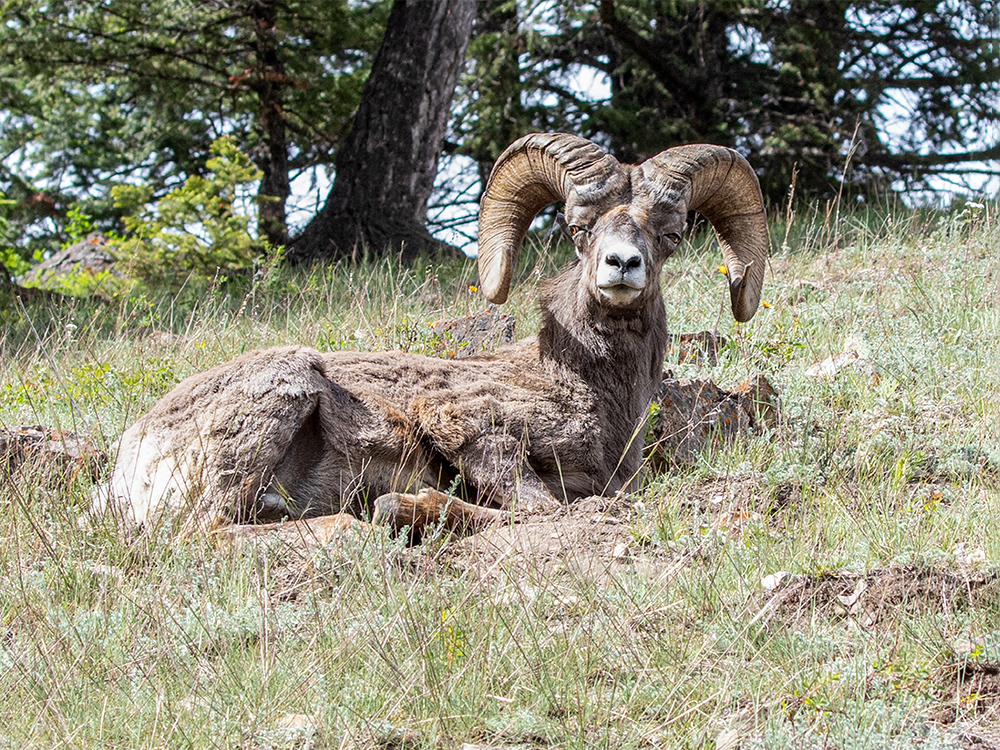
(295,433)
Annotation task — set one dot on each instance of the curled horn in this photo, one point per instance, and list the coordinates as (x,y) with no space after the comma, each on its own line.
(531,173)
(721,186)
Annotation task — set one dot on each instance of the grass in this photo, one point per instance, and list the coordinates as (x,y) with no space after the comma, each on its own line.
(891,482)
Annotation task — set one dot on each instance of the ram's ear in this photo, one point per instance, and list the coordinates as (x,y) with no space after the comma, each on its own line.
(567,232)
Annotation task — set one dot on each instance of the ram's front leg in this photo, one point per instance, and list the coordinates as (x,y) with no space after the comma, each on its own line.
(497,466)
(397,511)
(490,456)
(429,509)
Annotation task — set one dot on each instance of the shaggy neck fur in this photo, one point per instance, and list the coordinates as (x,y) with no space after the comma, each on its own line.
(580,334)
(620,356)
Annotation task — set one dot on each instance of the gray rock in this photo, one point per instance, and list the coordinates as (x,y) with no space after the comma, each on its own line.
(474,334)
(88,256)
(690,414)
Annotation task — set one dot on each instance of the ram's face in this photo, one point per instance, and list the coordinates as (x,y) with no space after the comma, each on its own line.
(625,220)
(623,250)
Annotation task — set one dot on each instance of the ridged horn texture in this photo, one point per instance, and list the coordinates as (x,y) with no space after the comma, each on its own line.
(534,171)
(722,187)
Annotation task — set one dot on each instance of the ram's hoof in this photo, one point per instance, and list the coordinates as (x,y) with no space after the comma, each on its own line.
(402,510)
(386,509)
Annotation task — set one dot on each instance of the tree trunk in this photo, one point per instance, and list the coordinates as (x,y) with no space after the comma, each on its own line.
(386,166)
(272,154)
(6,285)
(496,49)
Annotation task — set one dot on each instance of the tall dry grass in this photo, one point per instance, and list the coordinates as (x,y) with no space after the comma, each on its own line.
(887,475)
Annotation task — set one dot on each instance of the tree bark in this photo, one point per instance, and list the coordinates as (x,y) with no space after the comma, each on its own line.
(269,81)
(6,285)
(385,168)
(498,84)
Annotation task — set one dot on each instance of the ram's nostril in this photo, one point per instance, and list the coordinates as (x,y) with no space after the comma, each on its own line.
(623,262)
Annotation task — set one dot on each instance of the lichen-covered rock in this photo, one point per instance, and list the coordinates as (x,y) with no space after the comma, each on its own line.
(89,256)
(474,334)
(57,453)
(758,398)
(687,415)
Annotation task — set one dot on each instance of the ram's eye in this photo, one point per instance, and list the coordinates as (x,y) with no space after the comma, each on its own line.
(574,230)
(673,237)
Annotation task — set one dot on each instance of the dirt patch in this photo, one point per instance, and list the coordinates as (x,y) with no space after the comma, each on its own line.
(590,539)
(593,539)
(969,703)
(976,687)
(744,495)
(978,738)
(874,598)
(731,505)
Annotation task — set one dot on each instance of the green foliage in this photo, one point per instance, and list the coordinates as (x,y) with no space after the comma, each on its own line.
(194,229)
(492,91)
(104,285)
(799,87)
(97,92)
(100,384)
(78,224)
(11,262)
(94,93)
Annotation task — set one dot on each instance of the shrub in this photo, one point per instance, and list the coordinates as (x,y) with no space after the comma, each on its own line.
(197,229)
